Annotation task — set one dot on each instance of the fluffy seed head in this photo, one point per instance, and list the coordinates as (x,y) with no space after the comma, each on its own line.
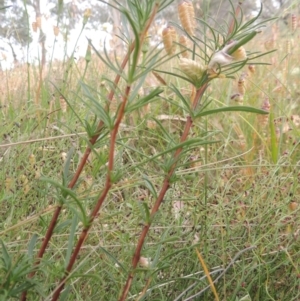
(34,26)
(38,22)
(191,69)
(239,54)
(238,98)
(293,22)
(251,68)
(63,104)
(169,37)
(263,119)
(241,84)
(241,87)
(186,14)
(31,159)
(56,30)
(183,41)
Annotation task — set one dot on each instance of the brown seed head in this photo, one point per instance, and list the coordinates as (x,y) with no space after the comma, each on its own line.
(34,26)
(293,22)
(186,14)
(239,54)
(241,86)
(169,37)
(251,68)
(183,41)
(56,30)
(38,22)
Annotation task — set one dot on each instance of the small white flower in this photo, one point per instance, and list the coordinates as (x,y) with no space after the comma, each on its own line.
(221,58)
(144,262)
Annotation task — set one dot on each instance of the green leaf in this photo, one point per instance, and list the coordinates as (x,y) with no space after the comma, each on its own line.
(150,186)
(114,259)
(66,169)
(5,257)
(65,293)
(232,109)
(31,245)
(146,211)
(71,240)
(144,100)
(65,191)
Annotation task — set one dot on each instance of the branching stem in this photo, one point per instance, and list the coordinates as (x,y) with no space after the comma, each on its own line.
(165,186)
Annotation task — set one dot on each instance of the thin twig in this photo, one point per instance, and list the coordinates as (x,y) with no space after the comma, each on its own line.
(165,186)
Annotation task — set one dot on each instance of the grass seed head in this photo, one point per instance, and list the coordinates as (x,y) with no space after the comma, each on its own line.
(239,54)
(38,22)
(183,41)
(241,85)
(266,106)
(293,22)
(63,104)
(56,30)
(32,159)
(186,14)
(169,37)
(238,98)
(251,68)
(194,70)
(34,26)
(8,184)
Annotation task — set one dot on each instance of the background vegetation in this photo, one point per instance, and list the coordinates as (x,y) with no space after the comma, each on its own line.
(234,200)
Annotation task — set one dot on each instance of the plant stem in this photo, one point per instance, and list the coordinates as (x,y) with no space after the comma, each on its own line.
(80,167)
(102,197)
(165,186)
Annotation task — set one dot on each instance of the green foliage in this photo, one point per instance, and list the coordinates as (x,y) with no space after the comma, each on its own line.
(151,171)
(13,275)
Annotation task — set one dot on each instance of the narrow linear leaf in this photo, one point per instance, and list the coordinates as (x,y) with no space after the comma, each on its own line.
(71,240)
(32,244)
(233,109)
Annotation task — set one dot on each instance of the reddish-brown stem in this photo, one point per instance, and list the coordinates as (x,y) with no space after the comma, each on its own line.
(73,181)
(108,183)
(82,164)
(102,197)
(163,190)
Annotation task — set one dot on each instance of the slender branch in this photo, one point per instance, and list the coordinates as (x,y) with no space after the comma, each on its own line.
(108,183)
(164,189)
(80,167)
(102,197)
